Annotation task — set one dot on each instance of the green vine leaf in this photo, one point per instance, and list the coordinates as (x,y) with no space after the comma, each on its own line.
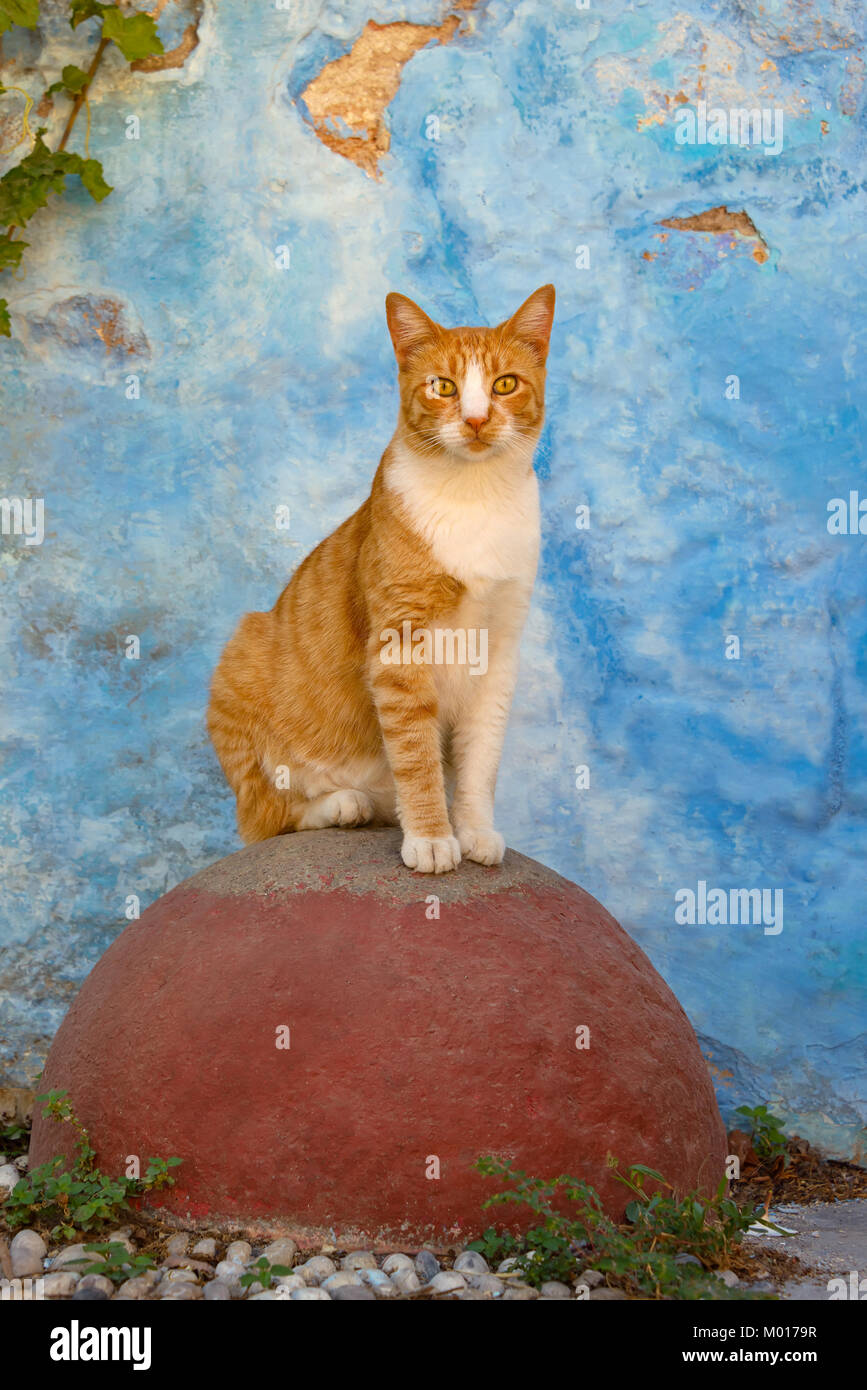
(72,79)
(11,253)
(135,35)
(22,12)
(25,188)
(91,175)
(82,10)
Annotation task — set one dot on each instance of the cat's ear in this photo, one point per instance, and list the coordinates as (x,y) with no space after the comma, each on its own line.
(408,325)
(532,322)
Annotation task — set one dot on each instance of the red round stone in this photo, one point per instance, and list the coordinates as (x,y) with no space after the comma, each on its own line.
(429,1020)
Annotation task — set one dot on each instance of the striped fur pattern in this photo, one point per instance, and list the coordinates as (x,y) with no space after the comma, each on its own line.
(313,726)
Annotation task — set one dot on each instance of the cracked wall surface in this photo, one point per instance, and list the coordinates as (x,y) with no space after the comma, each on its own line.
(209,345)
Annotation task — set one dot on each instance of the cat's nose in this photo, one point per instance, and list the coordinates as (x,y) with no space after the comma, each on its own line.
(475,421)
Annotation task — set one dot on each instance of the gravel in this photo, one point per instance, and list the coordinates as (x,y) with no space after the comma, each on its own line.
(212,1269)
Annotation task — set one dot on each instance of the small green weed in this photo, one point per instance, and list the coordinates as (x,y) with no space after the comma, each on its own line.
(81,1197)
(769,1141)
(263,1273)
(117,1263)
(645,1255)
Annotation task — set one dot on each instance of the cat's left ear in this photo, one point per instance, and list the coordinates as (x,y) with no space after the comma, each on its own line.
(532,322)
(408,325)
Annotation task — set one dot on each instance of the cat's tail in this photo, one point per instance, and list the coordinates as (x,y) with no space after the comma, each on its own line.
(263,808)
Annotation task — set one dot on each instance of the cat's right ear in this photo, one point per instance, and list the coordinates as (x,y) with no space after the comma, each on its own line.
(408,325)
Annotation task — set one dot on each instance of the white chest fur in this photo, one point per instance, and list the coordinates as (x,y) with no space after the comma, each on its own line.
(481,520)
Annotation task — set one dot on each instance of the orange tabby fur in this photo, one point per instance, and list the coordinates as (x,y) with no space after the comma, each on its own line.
(301,693)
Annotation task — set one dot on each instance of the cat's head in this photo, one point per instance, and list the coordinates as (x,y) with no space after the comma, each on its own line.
(472,393)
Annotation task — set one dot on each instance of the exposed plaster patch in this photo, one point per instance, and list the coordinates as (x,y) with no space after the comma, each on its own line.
(105,317)
(798,27)
(706,65)
(16,1103)
(177,56)
(850,92)
(85,322)
(347,99)
(718,221)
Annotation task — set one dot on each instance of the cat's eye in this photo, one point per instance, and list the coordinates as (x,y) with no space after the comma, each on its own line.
(505,385)
(443,386)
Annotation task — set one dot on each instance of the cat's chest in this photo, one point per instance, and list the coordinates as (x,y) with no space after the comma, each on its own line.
(480,537)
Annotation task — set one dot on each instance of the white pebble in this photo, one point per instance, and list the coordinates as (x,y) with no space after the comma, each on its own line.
(9,1176)
(28,1250)
(230,1273)
(77,1256)
(288,1282)
(395,1262)
(137,1287)
(406,1280)
(379,1281)
(487,1283)
(97,1281)
(317,1268)
(61,1284)
(341,1279)
(240,1252)
(281,1252)
(180,1292)
(447,1282)
(471,1262)
(358,1259)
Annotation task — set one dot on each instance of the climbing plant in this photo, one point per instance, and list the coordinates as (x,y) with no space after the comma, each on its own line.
(27,185)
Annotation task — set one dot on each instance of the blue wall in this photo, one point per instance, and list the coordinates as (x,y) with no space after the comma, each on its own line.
(262,387)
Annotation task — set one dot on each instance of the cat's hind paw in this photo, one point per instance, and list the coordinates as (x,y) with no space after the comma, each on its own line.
(483,846)
(430,856)
(346,808)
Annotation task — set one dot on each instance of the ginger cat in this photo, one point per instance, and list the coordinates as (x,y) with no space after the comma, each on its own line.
(387,665)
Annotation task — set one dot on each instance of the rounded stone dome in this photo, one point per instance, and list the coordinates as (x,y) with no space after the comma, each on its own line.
(329,1042)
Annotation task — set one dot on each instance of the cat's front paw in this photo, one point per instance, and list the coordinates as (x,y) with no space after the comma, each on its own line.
(483,846)
(430,856)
